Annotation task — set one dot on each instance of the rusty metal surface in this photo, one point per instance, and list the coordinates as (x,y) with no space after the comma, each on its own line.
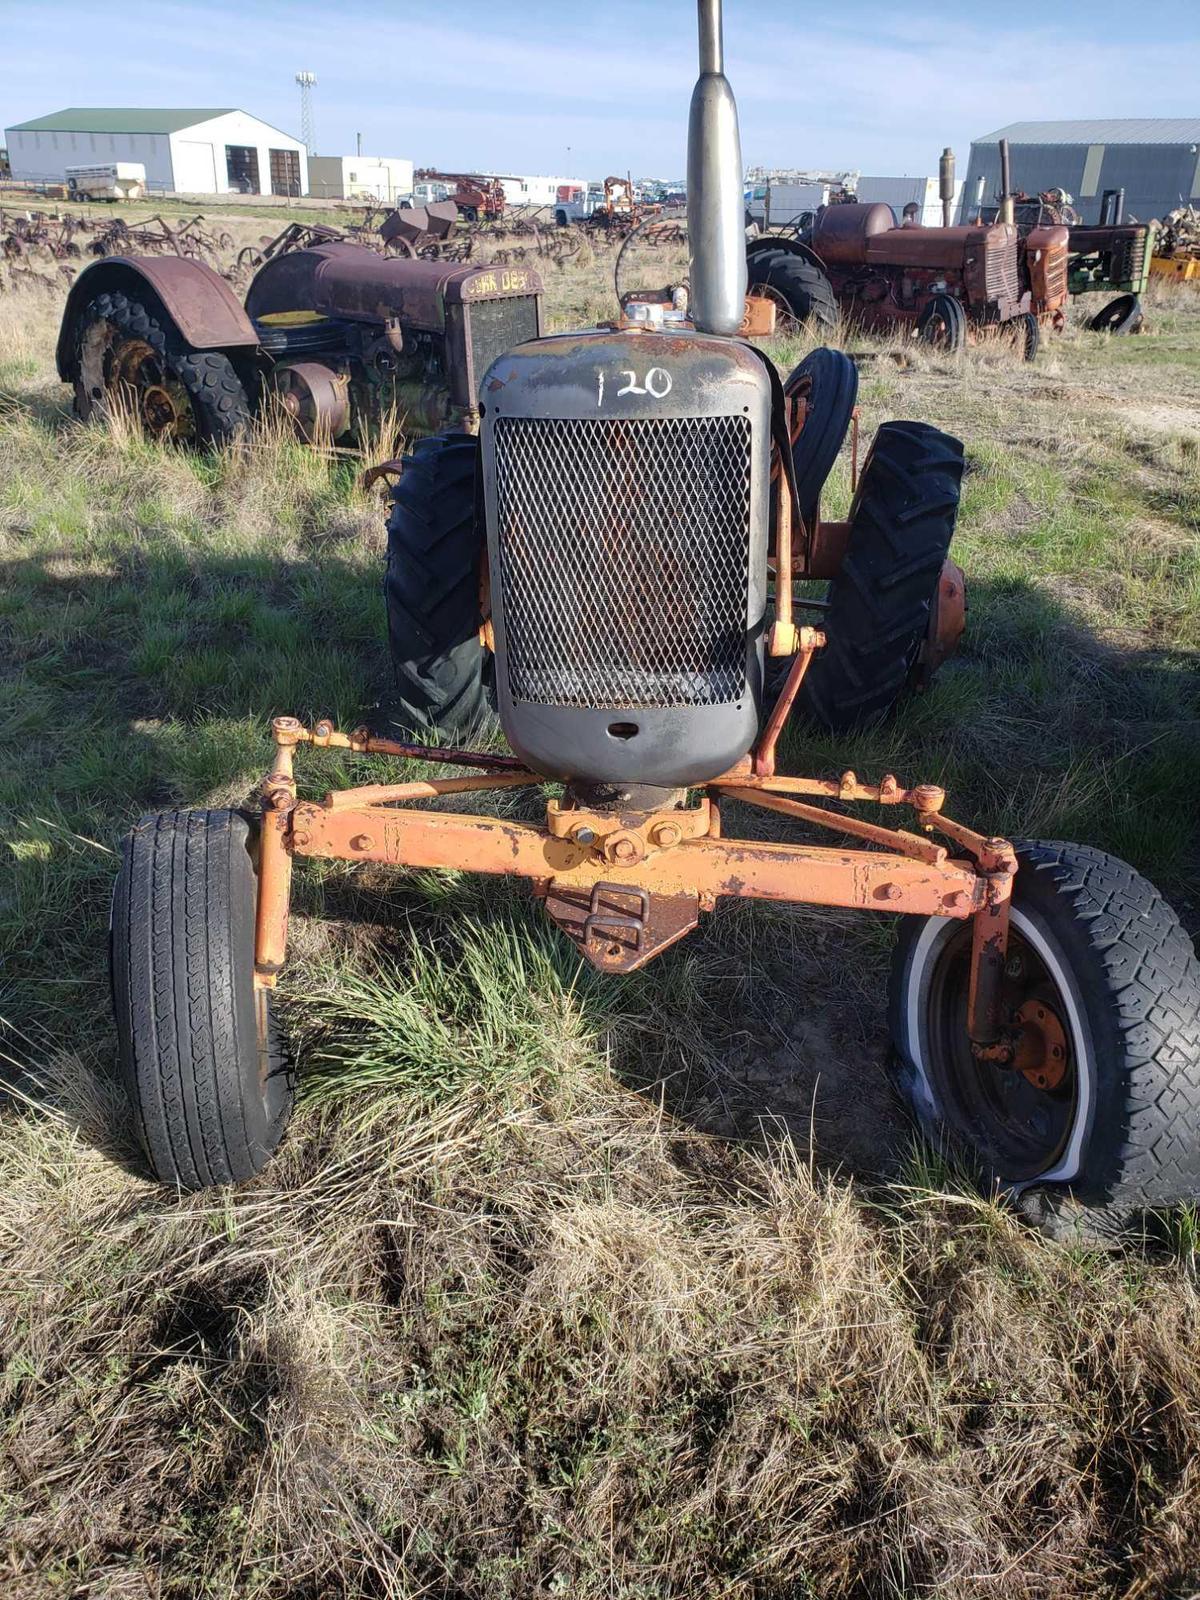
(808,642)
(619,928)
(799,874)
(352,282)
(947,621)
(1046,251)
(625,885)
(841,233)
(827,546)
(201,303)
(315,396)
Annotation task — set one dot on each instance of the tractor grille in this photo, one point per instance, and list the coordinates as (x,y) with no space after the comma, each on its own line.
(1132,260)
(1001,280)
(1054,267)
(624,559)
(496,326)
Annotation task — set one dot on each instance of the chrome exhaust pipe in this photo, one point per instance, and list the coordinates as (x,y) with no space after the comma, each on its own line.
(715,203)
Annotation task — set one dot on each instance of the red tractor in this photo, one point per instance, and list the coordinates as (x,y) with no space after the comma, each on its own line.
(948,285)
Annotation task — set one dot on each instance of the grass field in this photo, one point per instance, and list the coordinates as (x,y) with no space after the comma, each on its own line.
(562,1285)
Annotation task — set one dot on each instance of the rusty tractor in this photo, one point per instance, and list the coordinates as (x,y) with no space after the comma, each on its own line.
(947,285)
(334,333)
(639,495)
(1111,256)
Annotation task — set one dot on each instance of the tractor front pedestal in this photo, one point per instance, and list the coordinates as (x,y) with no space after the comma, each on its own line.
(623,884)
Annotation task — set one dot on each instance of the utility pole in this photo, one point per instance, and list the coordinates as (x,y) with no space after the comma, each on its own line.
(307,82)
(358,144)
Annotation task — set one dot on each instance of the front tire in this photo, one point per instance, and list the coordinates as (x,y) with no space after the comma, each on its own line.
(943,324)
(431,590)
(901,524)
(1122,315)
(1099,970)
(209,1082)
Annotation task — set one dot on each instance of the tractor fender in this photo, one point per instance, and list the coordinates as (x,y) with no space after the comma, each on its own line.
(793,247)
(198,301)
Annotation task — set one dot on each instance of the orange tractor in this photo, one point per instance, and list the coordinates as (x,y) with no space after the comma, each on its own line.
(641,519)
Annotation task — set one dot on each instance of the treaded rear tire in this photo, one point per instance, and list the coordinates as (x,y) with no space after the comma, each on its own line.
(1137,981)
(902,521)
(804,288)
(208,1079)
(431,590)
(220,407)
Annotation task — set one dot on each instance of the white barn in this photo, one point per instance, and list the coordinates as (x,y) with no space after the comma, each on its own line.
(190,151)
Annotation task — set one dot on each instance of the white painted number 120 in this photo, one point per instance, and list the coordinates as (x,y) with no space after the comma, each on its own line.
(657,383)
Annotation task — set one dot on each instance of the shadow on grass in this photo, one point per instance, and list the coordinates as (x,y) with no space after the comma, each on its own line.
(154,687)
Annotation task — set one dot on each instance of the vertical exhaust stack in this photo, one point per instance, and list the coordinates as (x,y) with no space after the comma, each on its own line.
(1006,196)
(715,204)
(946,186)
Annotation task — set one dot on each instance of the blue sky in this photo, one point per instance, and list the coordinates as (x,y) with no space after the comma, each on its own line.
(534,86)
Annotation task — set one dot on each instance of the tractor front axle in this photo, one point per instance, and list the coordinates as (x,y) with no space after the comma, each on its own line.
(625,884)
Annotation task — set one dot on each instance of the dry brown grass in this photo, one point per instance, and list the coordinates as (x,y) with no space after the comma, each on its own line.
(563,1285)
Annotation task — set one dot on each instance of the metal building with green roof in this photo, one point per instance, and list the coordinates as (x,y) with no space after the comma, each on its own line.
(187,150)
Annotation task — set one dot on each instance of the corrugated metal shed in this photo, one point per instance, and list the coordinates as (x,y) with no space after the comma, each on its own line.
(1155,160)
(1101,130)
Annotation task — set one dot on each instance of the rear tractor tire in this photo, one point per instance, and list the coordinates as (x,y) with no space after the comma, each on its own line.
(801,291)
(880,603)
(1097,1119)
(209,1082)
(129,360)
(443,674)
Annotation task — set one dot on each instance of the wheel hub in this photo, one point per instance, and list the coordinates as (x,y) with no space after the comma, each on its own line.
(1041,1051)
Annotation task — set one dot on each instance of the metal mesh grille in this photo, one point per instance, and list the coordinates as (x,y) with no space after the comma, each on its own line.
(498,325)
(1001,269)
(624,556)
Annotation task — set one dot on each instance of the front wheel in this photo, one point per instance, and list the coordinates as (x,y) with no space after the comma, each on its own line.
(943,324)
(1097,1118)
(208,1080)
(1122,315)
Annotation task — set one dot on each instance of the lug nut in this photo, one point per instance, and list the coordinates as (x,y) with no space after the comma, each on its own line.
(891,891)
(667,834)
(625,850)
(583,834)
